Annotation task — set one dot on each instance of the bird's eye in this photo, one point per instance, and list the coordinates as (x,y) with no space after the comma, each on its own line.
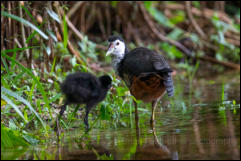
(117,43)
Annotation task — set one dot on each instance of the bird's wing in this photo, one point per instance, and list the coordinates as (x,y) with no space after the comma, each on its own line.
(142,60)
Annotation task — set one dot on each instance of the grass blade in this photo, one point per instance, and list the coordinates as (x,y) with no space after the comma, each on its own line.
(53,65)
(33,34)
(53,15)
(51,34)
(5,64)
(65,29)
(29,14)
(30,73)
(27,23)
(13,105)
(21,99)
(17,49)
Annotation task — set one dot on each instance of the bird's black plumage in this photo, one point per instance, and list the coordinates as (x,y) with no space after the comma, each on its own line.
(143,60)
(145,72)
(84,88)
(115,37)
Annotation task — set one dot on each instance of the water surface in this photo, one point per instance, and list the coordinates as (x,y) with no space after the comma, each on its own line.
(200,123)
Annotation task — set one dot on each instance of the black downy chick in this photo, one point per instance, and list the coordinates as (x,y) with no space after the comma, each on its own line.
(84,88)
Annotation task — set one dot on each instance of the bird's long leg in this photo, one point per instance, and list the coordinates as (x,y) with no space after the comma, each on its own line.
(137,124)
(136,113)
(154,103)
(57,127)
(86,119)
(156,142)
(63,108)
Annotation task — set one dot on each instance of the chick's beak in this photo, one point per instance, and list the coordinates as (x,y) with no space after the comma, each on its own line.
(111,49)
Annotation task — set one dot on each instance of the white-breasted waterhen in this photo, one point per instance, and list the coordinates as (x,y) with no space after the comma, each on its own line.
(145,72)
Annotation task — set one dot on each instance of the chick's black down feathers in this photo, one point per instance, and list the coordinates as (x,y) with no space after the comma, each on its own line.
(84,88)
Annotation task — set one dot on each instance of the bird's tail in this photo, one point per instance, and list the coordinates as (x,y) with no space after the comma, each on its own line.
(169,84)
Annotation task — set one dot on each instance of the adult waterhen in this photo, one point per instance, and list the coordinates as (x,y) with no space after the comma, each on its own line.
(145,72)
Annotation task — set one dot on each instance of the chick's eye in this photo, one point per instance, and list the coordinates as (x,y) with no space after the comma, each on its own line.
(117,43)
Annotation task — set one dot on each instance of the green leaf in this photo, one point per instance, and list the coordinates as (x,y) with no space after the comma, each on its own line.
(14,106)
(159,16)
(5,64)
(53,65)
(30,139)
(11,138)
(171,51)
(175,34)
(65,28)
(196,4)
(104,113)
(180,17)
(48,50)
(114,3)
(53,15)
(25,22)
(147,4)
(52,35)
(30,15)
(21,99)
(30,73)
(17,49)
(33,34)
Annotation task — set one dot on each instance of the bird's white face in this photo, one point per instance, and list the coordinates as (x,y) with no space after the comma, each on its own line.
(116,48)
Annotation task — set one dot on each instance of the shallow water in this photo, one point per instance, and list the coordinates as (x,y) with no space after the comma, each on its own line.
(198,124)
